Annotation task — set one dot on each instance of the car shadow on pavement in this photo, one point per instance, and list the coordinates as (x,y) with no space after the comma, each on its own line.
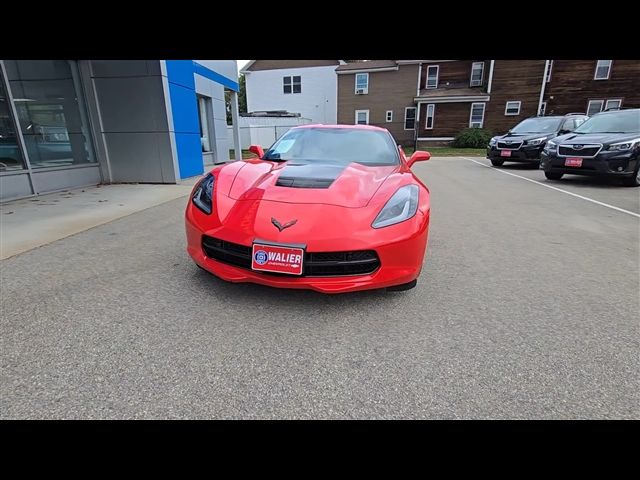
(264,294)
(519,166)
(580,181)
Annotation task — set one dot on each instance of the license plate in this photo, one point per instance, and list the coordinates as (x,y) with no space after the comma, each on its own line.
(505,153)
(573,162)
(276,258)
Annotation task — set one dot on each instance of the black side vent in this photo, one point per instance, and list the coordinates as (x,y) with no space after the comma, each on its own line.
(298,182)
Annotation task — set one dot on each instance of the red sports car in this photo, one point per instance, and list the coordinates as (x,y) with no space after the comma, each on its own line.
(334,208)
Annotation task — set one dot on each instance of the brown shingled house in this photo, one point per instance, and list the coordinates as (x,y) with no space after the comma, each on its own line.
(430,101)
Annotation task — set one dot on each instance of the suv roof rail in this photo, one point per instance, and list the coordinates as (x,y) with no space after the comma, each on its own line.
(574,113)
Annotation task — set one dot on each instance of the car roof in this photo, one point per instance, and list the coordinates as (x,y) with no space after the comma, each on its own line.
(353,127)
(608,112)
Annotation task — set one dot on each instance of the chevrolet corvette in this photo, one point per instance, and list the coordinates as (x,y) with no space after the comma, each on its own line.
(333,208)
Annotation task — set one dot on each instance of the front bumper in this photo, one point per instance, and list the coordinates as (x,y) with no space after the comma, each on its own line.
(607,164)
(523,154)
(400,258)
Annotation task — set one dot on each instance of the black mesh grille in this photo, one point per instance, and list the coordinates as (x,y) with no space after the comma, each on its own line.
(509,146)
(316,264)
(586,151)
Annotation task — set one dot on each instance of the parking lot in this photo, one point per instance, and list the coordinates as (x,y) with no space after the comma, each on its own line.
(527,307)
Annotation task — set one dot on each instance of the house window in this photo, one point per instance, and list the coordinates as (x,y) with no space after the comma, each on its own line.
(389,116)
(543,108)
(512,108)
(432,76)
(410,118)
(362,83)
(603,70)
(594,106)
(613,104)
(362,117)
(292,84)
(549,71)
(431,110)
(477,71)
(476,119)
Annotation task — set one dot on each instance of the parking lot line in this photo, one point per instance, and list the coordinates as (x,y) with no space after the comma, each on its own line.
(613,207)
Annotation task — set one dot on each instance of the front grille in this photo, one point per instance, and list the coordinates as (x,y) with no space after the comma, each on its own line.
(585,151)
(316,264)
(227,252)
(509,146)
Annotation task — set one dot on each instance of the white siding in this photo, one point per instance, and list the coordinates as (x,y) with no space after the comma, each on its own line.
(318,100)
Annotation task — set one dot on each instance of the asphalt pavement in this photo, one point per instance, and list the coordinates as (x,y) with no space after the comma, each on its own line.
(528,306)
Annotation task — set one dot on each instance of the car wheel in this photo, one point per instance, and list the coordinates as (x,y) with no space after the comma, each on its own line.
(403,287)
(553,175)
(497,163)
(632,181)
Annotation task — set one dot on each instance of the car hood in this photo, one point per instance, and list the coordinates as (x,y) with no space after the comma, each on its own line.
(604,138)
(351,185)
(518,137)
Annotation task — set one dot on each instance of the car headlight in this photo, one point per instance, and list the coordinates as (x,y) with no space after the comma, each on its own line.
(203,194)
(551,146)
(622,146)
(400,207)
(536,141)
(493,141)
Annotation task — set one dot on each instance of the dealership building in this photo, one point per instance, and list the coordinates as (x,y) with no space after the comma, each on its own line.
(72,123)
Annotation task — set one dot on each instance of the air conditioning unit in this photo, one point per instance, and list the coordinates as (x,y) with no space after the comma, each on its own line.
(361,91)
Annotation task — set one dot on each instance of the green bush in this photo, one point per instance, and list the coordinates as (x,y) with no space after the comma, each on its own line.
(472,138)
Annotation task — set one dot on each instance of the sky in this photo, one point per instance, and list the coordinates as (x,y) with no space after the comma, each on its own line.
(241,63)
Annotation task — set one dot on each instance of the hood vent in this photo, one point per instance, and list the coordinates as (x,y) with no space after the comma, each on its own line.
(304,182)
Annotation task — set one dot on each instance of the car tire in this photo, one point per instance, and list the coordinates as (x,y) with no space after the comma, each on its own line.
(633,181)
(553,175)
(497,163)
(403,287)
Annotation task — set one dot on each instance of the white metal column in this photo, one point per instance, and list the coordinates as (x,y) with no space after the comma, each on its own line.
(235,118)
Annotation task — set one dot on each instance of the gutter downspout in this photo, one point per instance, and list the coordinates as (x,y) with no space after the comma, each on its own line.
(490,76)
(544,83)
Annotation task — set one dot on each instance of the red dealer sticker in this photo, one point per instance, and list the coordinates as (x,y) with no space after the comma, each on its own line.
(272,258)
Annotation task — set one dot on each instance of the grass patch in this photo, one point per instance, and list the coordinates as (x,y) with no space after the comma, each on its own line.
(450,151)
(245,154)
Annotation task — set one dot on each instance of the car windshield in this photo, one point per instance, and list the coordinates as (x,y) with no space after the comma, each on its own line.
(335,145)
(537,125)
(616,122)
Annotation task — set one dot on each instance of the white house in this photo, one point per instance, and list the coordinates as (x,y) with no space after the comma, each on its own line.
(307,87)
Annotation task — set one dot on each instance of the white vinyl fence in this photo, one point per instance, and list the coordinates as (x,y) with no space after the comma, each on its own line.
(264,131)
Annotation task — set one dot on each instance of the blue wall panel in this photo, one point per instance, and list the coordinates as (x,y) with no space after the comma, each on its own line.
(189,154)
(184,107)
(181,72)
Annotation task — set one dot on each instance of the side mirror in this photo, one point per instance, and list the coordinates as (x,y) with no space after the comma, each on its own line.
(564,131)
(257,149)
(418,156)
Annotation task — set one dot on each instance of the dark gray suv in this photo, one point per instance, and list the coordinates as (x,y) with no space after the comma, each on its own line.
(525,141)
(607,145)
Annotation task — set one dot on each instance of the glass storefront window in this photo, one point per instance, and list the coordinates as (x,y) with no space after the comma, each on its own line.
(10,153)
(48,99)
